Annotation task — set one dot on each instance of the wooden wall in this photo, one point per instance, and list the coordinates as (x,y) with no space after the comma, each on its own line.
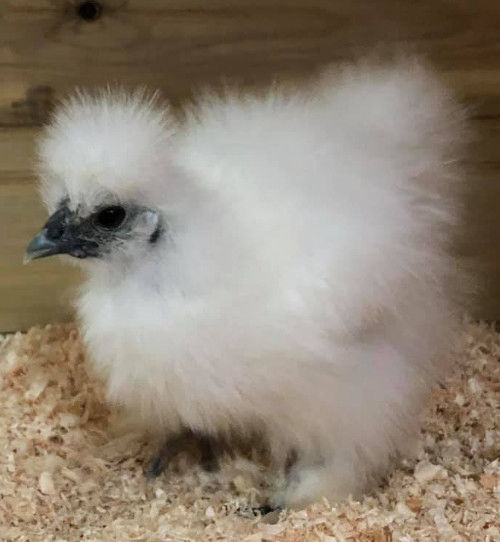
(47,47)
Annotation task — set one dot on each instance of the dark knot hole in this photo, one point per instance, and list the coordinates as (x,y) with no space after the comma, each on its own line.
(89,11)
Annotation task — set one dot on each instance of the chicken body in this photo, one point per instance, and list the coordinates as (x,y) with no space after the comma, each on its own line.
(283,266)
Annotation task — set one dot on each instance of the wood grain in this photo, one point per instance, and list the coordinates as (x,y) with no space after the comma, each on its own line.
(30,294)
(179,45)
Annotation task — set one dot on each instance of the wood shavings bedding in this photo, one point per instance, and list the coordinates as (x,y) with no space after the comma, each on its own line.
(68,472)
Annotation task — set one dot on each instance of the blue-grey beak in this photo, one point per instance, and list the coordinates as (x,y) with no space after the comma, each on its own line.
(61,235)
(41,246)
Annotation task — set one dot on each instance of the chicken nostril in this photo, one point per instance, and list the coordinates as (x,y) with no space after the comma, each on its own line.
(54,231)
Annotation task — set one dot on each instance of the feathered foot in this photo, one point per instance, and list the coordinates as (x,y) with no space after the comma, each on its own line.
(176,444)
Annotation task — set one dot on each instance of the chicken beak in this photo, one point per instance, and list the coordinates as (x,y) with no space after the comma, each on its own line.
(41,246)
(60,236)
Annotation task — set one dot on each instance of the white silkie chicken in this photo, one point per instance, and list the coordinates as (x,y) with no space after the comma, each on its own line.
(271,264)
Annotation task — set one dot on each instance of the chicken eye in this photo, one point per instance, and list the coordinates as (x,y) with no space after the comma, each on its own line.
(111,217)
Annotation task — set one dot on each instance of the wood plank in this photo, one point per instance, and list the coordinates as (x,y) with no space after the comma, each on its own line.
(30,294)
(174,45)
(177,45)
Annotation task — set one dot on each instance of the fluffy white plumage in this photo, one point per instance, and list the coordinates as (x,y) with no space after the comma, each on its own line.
(301,285)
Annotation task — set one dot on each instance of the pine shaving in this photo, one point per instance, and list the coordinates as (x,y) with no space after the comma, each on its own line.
(68,472)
